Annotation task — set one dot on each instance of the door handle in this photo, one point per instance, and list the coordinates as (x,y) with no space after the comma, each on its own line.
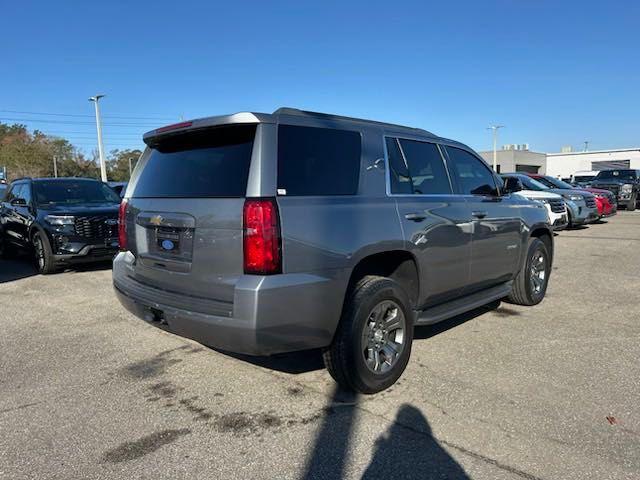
(479,214)
(416,217)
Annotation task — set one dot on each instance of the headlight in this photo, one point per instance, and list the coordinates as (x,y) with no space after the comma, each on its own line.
(574,198)
(626,188)
(59,219)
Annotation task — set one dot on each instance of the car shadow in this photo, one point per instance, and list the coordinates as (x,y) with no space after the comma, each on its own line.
(21,265)
(15,269)
(407,449)
(311,360)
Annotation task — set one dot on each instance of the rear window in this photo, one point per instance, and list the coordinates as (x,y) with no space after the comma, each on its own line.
(205,163)
(317,161)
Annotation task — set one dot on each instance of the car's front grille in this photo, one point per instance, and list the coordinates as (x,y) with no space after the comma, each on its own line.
(100,226)
(557,206)
(590,202)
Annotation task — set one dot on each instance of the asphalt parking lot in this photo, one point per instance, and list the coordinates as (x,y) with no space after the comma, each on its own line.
(550,392)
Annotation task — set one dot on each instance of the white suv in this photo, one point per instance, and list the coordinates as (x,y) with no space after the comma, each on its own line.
(554,203)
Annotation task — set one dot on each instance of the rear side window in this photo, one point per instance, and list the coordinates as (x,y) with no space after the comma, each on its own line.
(399,172)
(205,163)
(471,175)
(318,161)
(426,167)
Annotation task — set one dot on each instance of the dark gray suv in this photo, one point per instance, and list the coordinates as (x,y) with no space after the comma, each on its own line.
(265,233)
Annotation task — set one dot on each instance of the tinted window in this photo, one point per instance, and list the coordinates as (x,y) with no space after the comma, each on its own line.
(205,163)
(532,184)
(426,167)
(3,191)
(25,193)
(72,192)
(318,161)
(398,174)
(471,175)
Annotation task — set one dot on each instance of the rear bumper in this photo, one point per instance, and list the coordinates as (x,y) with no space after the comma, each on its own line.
(269,314)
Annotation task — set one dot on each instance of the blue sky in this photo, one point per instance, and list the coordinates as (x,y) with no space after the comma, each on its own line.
(554,72)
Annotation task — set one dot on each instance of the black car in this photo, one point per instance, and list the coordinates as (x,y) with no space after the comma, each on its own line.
(63,220)
(624,184)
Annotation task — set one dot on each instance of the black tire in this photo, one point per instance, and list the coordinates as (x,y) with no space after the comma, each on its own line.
(4,248)
(569,220)
(345,358)
(631,206)
(525,288)
(43,255)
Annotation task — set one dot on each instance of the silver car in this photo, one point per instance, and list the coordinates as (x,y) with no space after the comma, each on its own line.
(265,233)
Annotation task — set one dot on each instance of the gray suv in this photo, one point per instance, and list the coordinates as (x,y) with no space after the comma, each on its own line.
(267,233)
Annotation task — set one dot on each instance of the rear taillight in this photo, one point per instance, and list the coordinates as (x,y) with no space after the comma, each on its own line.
(122,224)
(262,254)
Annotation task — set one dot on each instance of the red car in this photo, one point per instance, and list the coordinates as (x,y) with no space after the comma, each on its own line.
(605,200)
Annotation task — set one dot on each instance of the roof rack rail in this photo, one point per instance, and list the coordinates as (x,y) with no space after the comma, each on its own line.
(328,116)
(21,178)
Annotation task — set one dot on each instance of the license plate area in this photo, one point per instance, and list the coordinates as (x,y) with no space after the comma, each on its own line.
(168,239)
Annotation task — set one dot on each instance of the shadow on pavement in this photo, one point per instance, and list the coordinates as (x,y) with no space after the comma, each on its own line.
(407,450)
(311,360)
(21,266)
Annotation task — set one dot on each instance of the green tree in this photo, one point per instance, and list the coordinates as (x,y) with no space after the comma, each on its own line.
(118,164)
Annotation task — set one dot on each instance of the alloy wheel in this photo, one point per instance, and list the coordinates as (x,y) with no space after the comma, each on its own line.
(538,272)
(383,337)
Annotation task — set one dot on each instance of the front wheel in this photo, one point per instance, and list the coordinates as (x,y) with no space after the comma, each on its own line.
(530,286)
(631,206)
(372,345)
(43,254)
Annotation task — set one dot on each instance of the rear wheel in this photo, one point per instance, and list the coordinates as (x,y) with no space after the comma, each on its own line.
(530,285)
(43,254)
(372,345)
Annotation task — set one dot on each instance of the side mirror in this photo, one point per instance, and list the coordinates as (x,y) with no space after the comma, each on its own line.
(512,185)
(19,202)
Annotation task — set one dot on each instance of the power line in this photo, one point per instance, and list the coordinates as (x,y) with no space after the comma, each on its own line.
(67,122)
(125,117)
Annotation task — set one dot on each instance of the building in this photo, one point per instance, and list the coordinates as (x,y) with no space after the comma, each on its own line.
(517,158)
(566,163)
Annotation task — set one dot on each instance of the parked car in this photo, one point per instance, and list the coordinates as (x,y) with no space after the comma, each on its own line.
(581,204)
(63,220)
(583,178)
(624,184)
(528,188)
(118,187)
(605,200)
(265,233)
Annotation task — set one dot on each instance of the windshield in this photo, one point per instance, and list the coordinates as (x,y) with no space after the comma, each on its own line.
(583,178)
(73,192)
(554,183)
(530,184)
(617,175)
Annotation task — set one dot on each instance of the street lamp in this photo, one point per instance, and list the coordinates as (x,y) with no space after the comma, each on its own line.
(103,165)
(495,145)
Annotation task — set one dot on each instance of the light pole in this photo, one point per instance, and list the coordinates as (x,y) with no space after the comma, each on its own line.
(130,169)
(495,145)
(55,166)
(103,165)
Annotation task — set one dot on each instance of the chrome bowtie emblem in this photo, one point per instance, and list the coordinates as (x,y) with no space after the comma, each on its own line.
(156,220)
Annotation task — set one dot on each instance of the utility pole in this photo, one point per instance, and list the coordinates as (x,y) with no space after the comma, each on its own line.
(130,169)
(55,166)
(495,145)
(103,165)
(586,145)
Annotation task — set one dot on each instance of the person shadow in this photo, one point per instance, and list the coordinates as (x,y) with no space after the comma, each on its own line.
(407,450)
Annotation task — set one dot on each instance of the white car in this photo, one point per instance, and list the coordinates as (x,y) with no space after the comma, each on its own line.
(554,203)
